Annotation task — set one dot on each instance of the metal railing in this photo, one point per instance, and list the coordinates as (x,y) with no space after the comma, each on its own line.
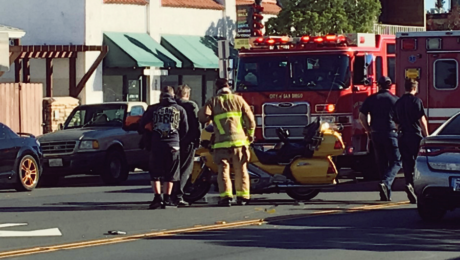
(393,29)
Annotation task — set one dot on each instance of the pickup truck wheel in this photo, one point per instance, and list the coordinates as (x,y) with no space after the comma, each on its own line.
(116,169)
(430,211)
(28,174)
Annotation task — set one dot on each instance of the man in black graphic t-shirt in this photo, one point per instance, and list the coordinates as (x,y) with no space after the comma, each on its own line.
(413,126)
(168,123)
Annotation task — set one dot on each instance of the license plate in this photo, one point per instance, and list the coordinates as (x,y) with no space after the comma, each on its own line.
(456,184)
(55,162)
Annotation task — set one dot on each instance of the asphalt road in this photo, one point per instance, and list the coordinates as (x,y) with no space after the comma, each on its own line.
(347,222)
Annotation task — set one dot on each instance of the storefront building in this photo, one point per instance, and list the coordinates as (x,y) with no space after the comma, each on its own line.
(151,43)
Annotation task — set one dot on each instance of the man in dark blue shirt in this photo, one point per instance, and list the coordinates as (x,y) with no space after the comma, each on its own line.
(413,126)
(382,131)
(169,125)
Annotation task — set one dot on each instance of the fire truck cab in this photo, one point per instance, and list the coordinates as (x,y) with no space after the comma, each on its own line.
(433,59)
(289,82)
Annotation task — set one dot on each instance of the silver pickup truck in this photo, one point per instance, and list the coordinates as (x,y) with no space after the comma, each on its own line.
(95,139)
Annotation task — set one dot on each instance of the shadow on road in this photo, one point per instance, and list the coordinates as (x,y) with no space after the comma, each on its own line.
(256,203)
(378,231)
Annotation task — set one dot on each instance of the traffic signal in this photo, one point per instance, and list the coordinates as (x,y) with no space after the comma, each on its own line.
(257,18)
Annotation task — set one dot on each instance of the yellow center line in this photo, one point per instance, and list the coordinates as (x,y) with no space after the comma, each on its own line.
(223,225)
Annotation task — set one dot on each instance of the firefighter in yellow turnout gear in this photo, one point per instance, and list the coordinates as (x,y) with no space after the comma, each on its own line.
(234,127)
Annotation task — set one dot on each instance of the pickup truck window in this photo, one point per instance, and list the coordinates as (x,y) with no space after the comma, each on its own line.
(137,111)
(96,116)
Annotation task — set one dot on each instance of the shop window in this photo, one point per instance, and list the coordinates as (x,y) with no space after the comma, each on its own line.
(170,80)
(113,88)
(391,68)
(134,90)
(195,83)
(445,74)
(210,89)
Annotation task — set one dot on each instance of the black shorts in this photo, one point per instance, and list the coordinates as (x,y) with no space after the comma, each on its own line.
(164,163)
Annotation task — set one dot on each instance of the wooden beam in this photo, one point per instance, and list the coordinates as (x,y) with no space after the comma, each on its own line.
(75,92)
(49,77)
(72,74)
(17,70)
(17,62)
(26,73)
(56,48)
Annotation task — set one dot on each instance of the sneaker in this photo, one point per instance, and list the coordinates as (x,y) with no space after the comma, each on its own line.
(226,202)
(182,203)
(242,201)
(383,192)
(156,203)
(411,194)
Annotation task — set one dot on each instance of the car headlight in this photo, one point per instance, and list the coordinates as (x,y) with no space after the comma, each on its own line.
(89,145)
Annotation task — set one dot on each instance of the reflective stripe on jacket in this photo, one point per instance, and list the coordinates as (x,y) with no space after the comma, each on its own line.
(232,118)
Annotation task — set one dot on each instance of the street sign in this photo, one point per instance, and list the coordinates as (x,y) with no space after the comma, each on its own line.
(223,49)
(242,43)
(244,21)
(4,52)
(49,232)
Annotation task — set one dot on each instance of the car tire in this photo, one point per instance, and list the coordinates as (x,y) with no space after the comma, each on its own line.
(303,194)
(116,169)
(49,181)
(430,211)
(28,173)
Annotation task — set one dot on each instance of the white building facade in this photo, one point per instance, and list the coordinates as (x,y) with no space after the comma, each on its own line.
(151,43)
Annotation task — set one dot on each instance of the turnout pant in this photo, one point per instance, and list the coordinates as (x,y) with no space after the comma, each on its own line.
(238,157)
(409,144)
(387,156)
(186,166)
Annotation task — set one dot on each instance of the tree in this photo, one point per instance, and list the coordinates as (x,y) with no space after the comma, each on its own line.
(301,17)
(439,4)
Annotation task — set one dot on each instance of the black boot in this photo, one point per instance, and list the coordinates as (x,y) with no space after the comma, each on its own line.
(157,202)
(169,202)
(242,201)
(225,202)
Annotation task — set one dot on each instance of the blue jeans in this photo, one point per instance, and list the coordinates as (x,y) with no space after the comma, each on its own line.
(387,156)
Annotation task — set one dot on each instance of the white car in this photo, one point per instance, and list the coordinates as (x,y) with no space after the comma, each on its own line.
(437,171)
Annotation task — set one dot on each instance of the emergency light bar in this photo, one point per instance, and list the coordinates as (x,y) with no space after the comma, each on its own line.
(353,39)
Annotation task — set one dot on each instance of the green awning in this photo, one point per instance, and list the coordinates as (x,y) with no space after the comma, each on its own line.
(136,50)
(193,51)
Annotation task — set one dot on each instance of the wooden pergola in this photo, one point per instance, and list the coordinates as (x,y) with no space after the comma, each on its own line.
(20,55)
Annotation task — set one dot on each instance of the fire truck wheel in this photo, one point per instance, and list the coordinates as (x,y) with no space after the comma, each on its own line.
(367,166)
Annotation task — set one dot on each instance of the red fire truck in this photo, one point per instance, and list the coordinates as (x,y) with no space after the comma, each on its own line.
(291,81)
(432,58)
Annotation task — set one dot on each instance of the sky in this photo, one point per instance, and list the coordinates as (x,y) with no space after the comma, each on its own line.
(430,4)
